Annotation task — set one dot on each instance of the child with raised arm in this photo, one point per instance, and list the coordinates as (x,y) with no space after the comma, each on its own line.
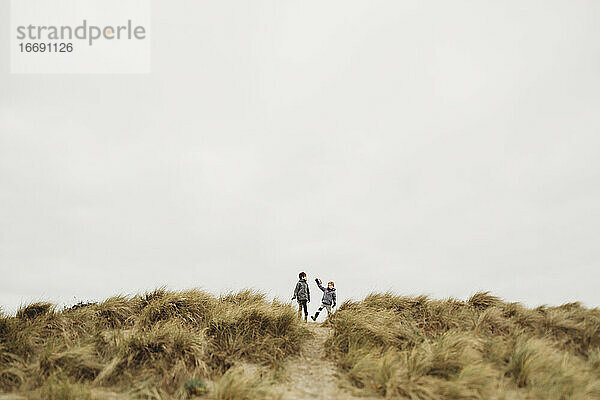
(302,294)
(328,300)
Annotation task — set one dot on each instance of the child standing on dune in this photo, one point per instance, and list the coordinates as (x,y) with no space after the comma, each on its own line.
(302,294)
(328,300)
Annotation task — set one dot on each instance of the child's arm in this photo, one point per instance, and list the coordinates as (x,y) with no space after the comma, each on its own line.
(319,284)
(334,299)
(308,292)
(296,290)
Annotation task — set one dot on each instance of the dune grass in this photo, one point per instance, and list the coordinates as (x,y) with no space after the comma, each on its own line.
(146,346)
(482,348)
(191,344)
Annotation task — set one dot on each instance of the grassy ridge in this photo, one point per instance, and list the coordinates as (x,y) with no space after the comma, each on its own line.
(179,345)
(147,346)
(483,348)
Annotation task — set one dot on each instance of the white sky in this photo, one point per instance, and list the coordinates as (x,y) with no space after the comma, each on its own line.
(420,146)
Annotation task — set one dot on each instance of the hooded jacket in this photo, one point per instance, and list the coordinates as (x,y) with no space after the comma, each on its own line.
(328,295)
(302,292)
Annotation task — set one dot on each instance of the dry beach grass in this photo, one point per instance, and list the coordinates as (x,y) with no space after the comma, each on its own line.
(191,344)
(483,348)
(147,346)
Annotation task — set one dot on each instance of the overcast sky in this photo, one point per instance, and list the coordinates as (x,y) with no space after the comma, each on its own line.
(423,147)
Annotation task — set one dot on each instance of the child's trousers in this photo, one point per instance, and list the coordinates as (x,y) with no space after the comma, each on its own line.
(302,305)
(326,306)
(323,305)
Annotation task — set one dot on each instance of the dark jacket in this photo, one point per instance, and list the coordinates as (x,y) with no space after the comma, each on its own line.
(302,292)
(328,295)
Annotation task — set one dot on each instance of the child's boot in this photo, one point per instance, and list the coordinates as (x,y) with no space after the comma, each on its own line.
(314,318)
(305,317)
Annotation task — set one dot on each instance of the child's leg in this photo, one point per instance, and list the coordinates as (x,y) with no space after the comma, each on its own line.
(305,306)
(317,313)
(299,309)
(328,307)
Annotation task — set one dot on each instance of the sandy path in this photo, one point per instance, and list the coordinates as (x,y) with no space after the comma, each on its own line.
(311,376)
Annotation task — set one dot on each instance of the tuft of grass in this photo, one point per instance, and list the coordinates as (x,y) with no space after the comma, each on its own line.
(114,312)
(483,300)
(58,387)
(237,385)
(34,310)
(593,361)
(245,297)
(12,371)
(79,363)
(164,344)
(260,332)
(192,307)
(167,353)
(526,360)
